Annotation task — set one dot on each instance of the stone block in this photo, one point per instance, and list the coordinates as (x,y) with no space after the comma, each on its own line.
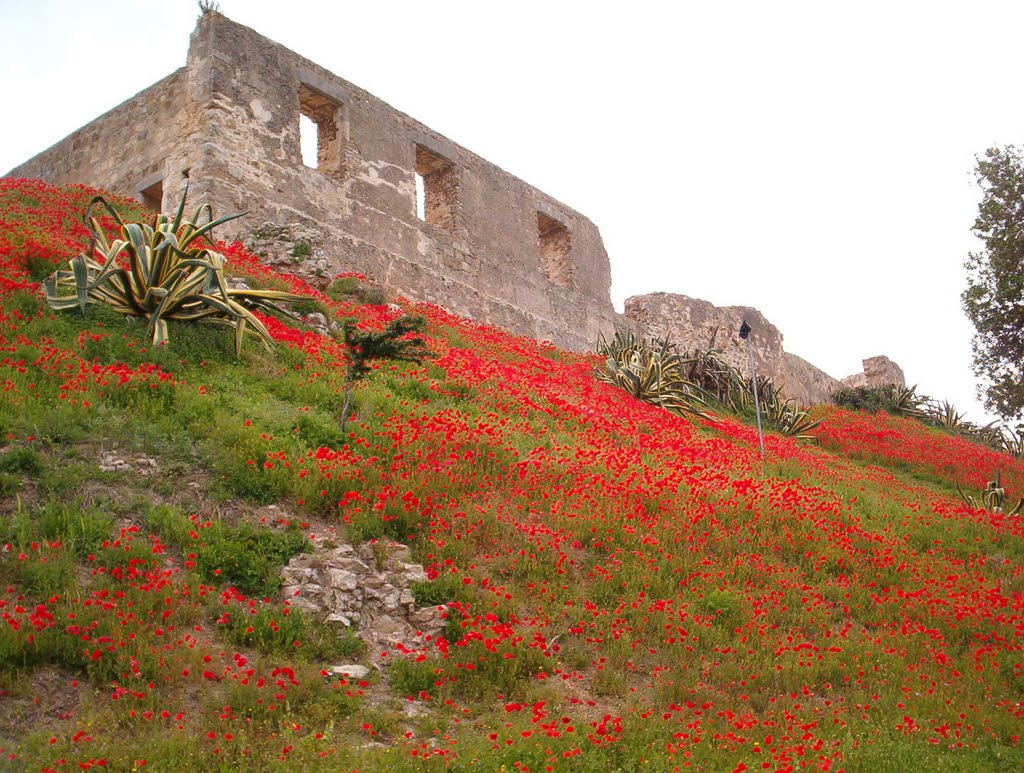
(340,579)
(352,671)
(414,573)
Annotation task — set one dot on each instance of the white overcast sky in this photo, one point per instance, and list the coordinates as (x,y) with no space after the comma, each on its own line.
(811,159)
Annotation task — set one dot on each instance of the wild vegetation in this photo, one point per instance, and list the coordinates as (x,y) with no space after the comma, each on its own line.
(994,297)
(696,382)
(626,588)
(905,401)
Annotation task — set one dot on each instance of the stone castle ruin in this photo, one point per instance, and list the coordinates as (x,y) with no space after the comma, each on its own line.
(388,198)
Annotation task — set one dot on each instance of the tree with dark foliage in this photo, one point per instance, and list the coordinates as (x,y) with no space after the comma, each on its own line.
(395,342)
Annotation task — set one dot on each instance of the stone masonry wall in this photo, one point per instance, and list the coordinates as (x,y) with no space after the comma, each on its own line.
(691,323)
(127,149)
(803,382)
(229,121)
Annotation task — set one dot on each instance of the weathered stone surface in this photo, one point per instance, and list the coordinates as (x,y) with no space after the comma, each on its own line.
(339,579)
(691,323)
(366,586)
(413,573)
(487,245)
(881,371)
(353,671)
(805,383)
(878,371)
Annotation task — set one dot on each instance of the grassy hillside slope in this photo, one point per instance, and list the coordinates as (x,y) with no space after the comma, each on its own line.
(624,589)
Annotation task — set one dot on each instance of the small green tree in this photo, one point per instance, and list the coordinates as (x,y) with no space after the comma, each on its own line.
(994,298)
(397,341)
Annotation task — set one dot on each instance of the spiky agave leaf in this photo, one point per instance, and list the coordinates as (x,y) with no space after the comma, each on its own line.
(945,415)
(708,369)
(650,370)
(1012,441)
(784,415)
(905,401)
(160,271)
(968,498)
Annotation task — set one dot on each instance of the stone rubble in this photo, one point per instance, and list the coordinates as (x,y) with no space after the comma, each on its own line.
(321,324)
(350,671)
(142,465)
(367,587)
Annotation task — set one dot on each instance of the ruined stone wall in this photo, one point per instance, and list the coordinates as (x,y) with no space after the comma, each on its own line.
(486,245)
(805,383)
(878,371)
(691,323)
(128,149)
(489,246)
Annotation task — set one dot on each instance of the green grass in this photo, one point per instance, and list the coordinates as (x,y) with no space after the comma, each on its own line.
(247,556)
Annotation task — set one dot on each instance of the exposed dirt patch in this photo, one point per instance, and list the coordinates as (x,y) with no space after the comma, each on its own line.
(46,697)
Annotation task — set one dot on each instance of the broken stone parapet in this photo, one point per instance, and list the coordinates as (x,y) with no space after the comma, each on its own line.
(879,371)
(368,587)
(691,323)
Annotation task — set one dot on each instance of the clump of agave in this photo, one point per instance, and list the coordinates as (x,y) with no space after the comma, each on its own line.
(782,415)
(992,498)
(708,369)
(161,270)
(651,370)
(892,398)
(694,382)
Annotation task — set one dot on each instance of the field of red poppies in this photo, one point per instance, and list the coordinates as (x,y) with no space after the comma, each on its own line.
(624,589)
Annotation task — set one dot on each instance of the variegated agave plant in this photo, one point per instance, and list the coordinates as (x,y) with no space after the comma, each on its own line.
(651,370)
(170,275)
(782,415)
(993,498)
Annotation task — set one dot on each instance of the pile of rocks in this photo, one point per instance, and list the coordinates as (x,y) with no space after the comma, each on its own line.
(113,462)
(366,586)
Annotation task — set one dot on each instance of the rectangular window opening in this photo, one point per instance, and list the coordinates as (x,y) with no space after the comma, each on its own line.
(555,248)
(320,130)
(421,198)
(309,139)
(153,196)
(437,178)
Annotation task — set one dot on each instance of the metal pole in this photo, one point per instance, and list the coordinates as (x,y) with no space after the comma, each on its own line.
(757,401)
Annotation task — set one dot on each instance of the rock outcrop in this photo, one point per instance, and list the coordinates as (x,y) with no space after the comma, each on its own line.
(878,372)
